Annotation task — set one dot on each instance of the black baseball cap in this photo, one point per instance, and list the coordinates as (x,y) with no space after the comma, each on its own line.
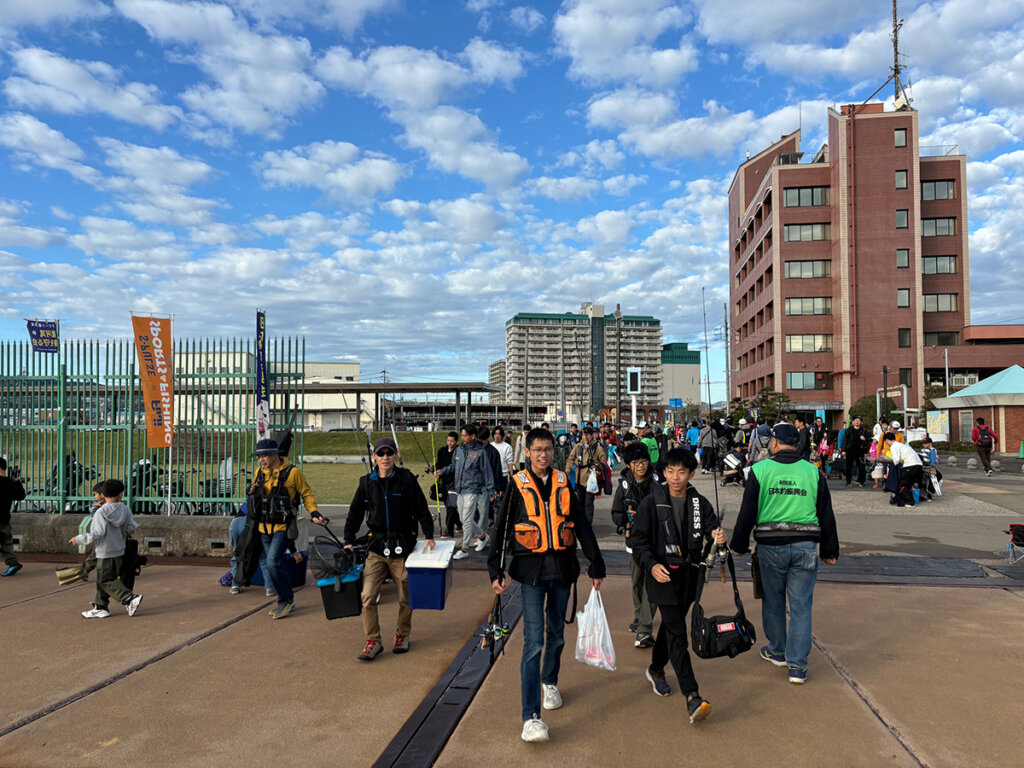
(786,434)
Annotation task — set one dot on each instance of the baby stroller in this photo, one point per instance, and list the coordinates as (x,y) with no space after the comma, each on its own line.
(732,467)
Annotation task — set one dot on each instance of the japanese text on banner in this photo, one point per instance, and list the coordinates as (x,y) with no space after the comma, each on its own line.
(156,370)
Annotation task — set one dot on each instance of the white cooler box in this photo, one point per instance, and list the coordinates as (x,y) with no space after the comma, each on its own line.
(430,575)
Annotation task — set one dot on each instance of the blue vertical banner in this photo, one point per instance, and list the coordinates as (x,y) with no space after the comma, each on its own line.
(44,335)
(262,391)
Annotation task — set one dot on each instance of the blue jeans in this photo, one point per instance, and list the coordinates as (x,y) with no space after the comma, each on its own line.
(535,620)
(788,571)
(274,546)
(235,533)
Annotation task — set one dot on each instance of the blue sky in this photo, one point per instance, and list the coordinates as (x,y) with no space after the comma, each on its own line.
(395,179)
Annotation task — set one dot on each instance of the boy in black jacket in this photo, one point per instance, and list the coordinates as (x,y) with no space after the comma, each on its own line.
(539,525)
(392,502)
(667,537)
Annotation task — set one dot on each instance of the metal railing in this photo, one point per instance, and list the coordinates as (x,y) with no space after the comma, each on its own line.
(71,419)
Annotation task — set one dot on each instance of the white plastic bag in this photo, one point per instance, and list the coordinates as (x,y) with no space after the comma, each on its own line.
(592,482)
(594,641)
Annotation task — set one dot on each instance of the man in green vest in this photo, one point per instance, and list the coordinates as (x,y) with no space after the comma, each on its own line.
(647,438)
(787,506)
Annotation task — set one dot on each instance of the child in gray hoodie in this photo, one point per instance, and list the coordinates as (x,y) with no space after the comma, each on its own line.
(111,525)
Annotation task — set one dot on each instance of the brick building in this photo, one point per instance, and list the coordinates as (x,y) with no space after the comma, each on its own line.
(854,263)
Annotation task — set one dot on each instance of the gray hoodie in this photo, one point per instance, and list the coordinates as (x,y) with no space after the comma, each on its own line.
(111,525)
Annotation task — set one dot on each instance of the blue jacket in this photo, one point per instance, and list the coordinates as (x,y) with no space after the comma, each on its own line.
(692,435)
(470,470)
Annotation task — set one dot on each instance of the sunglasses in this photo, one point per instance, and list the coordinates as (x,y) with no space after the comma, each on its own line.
(384,452)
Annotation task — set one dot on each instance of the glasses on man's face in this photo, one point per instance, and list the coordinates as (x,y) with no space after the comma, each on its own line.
(545,449)
(639,461)
(384,453)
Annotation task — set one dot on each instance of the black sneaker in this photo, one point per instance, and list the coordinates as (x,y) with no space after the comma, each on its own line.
(658,681)
(697,707)
(644,640)
(633,625)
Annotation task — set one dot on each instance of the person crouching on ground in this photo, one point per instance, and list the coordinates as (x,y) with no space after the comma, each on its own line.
(111,526)
(636,481)
(539,525)
(391,500)
(788,507)
(667,537)
(912,474)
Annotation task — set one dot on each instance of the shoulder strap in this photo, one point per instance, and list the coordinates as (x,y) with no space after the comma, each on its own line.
(732,572)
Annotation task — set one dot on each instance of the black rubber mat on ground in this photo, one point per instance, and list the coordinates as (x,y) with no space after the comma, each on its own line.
(1015,572)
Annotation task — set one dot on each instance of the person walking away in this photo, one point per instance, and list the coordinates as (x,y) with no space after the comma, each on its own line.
(539,527)
(706,446)
(11,490)
(274,499)
(856,443)
(760,442)
(984,439)
(471,477)
(585,458)
(787,506)
(668,536)
(110,528)
(912,474)
(692,437)
(636,481)
(519,452)
(648,439)
(392,503)
(444,458)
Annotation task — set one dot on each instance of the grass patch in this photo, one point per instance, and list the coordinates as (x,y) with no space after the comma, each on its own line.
(336,483)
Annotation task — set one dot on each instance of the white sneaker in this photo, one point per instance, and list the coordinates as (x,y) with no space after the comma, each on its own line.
(133,604)
(95,613)
(481,545)
(459,554)
(271,592)
(552,698)
(535,730)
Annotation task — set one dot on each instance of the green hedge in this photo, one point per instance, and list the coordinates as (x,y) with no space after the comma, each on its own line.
(947,447)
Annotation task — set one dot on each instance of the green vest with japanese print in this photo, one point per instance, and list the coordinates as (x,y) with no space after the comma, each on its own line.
(789,492)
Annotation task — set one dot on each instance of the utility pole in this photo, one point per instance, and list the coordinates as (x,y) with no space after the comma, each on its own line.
(946,350)
(885,391)
(618,365)
(728,362)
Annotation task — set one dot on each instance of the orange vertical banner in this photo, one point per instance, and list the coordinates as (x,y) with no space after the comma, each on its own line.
(156,369)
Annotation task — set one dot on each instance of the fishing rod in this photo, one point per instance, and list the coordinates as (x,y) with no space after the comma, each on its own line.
(429,470)
(721,553)
(359,449)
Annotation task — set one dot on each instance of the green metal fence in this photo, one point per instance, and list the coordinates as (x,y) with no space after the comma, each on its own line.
(71,419)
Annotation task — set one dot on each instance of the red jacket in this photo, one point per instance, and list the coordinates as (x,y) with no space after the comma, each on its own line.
(976,433)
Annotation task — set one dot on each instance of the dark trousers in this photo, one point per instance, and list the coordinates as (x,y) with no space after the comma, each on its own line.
(853,461)
(452,520)
(670,646)
(7,544)
(707,458)
(909,477)
(985,454)
(586,501)
(108,582)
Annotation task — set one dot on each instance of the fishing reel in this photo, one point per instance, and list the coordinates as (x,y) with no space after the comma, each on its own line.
(718,554)
(493,632)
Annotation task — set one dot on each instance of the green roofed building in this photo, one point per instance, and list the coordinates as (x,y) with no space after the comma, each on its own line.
(577,353)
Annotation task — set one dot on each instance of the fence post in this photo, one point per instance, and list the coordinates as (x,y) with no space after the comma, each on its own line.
(130,457)
(62,438)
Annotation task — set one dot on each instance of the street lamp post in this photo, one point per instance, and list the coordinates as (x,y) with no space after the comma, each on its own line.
(618,365)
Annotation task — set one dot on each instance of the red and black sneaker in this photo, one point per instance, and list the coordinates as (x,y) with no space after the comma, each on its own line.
(372,650)
(401,644)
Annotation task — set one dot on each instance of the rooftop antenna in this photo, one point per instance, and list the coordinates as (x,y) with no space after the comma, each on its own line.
(897,82)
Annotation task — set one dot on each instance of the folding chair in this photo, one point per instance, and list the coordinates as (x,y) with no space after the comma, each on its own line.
(1016,542)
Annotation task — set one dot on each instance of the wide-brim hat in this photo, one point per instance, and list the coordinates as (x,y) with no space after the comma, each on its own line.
(266,448)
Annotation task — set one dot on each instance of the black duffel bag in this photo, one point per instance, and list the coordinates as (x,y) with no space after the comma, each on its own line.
(714,636)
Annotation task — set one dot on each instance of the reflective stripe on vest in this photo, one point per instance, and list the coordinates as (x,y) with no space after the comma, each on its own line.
(543,524)
(789,492)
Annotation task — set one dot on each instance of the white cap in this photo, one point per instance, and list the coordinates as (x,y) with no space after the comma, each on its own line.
(742,422)
(641,425)
(895,425)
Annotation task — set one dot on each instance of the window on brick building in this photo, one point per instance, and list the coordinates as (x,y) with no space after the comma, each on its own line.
(942,339)
(938,227)
(808,380)
(906,377)
(940,302)
(799,197)
(937,190)
(902,258)
(938,265)
(902,297)
(904,336)
(901,179)
(809,342)
(900,137)
(806,269)
(902,218)
(809,306)
(797,233)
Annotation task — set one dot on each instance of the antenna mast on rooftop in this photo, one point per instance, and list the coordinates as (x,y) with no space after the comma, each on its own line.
(897,81)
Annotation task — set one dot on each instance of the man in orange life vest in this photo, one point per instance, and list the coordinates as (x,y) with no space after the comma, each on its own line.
(538,526)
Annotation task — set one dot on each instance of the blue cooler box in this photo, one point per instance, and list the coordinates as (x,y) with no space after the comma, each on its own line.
(430,575)
(342,597)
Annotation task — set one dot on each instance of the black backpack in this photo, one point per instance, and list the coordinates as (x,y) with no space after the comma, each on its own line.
(984,438)
(131,563)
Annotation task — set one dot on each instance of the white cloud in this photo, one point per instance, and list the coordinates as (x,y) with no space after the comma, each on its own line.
(13,233)
(526,19)
(341,169)
(33,142)
(458,142)
(258,81)
(49,81)
(623,184)
(310,230)
(16,13)
(607,228)
(346,15)
(563,189)
(491,62)
(613,41)
(121,240)
(976,136)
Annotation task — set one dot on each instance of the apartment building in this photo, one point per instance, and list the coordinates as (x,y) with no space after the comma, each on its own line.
(581,358)
(496,378)
(680,373)
(853,268)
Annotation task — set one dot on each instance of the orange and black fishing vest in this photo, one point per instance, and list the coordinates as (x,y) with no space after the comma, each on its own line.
(543,525)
